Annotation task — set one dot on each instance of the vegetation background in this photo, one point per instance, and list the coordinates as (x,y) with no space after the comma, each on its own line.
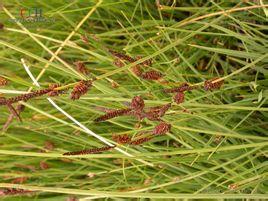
(217,147)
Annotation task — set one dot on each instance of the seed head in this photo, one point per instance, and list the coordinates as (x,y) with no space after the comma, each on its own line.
(89,151)
(3,81)
(162,128)
(54,92)
(80,67)
(210,85)
(80,89)
(121,139)
(137,103)
(179,97)
(151,75)
(112,114)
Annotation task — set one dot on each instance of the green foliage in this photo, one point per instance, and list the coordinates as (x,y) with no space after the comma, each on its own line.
(218,146)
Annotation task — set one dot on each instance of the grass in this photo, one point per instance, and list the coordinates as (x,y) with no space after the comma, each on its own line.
(217,150)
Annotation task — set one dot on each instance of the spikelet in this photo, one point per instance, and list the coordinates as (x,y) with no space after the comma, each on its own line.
(137,70)
(80,67)
(162,128)
(140,141)
(3,81)
(137,103)
(179,97)
(210,85)
(183,87)
(13,191)
(89,151)
(121,139)
(112,114)
(164,109)
(53,92)
(151,75)
(1,26)
(25,97)
(122,56)
(117,62)
(155,113)
(80,89)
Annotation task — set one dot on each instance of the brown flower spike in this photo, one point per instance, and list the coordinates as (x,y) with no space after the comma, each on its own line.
(80,66)
(3,81)
(140,141)
(24,97)
(121,139)
(211,84)
(151,75)
(13,191)
(112,114)
(122,56)
(155,113)
(179,97)
(89,151)
(80,89)
(162,128)
(137,103)
(53,92)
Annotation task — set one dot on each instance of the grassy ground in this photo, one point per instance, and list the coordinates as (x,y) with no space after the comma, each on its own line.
(217,146)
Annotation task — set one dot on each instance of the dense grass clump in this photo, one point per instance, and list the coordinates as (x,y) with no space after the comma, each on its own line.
(133,99)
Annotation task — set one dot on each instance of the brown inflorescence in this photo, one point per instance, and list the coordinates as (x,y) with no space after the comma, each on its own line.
(122,56)
(140,140)
(3,81)
(121,139)
(54,92)
(112,114)
(137,103)
(151,75)
(80,89)
(179,97)
(1,26)
(213,84)
(89,151)
(162,128)
(25,97)
(13,191)
(155,113)
(137,70)
(80,67)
